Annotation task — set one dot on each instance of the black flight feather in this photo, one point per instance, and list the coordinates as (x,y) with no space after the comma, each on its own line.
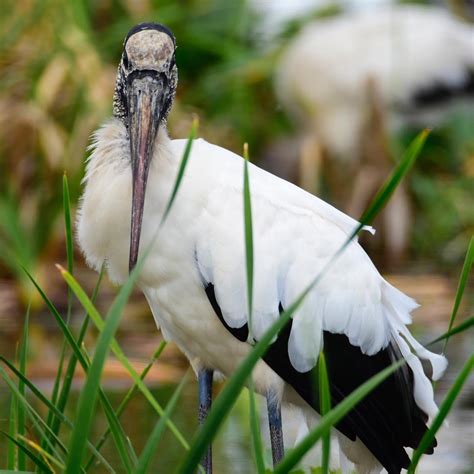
(386,421)
(439,92)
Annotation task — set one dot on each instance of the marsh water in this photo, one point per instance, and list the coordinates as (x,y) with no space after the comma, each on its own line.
(232,449)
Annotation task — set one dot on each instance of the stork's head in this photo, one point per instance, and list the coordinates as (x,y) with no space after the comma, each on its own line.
(144,93)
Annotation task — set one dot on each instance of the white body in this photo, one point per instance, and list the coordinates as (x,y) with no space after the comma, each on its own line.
(295,235)
(402,49)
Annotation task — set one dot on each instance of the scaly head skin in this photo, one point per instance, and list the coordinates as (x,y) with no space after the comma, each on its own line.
(144,93)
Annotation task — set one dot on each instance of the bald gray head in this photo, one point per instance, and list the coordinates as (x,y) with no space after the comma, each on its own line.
(144,93)
(148,52)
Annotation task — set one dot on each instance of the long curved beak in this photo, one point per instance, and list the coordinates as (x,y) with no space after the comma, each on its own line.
(146,96)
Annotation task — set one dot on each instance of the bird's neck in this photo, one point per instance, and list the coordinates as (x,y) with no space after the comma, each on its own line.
(163,140)
(111,152)
(162,154)
(104,216)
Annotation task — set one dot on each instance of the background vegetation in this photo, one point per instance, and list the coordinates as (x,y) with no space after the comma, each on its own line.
(58,61)
(57,70)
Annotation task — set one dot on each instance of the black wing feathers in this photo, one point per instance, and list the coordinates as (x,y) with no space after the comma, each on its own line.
(439,92)
(240,333)
(386,421)
(389,420)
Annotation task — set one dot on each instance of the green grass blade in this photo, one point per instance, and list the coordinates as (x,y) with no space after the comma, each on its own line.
(12,447)
(43,431)
(88,397)
(71,367)
(46,456)
(64,328)
(80,357)
(52,421)
(403,167)
(153,440)
(31,387)
(255,429)
(121,440)
(332,417)
(43,399)
(97,320)
(325,407)
(468,323)
(123,444)
(21,425)
(466,269)
(37,461)
(32,413)
(249,262)
(248,230)
(131,392)
(442,414)
(182,167)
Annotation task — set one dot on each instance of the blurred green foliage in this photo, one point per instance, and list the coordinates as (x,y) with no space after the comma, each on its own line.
(442,186)
(57,71)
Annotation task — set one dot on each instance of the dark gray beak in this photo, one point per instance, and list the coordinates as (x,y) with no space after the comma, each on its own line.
(146,96)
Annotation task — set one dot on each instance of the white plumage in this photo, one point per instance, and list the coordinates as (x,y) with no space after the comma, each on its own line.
(351,81)
(404,49)
(194,275)
(295,235)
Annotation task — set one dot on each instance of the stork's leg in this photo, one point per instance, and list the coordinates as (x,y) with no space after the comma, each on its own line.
(205,399)
(274,423)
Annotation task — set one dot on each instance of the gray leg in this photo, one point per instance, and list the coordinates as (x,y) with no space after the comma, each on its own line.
(276,432)
(205,399)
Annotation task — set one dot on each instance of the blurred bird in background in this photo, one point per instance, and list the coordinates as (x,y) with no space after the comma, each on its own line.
(351,81)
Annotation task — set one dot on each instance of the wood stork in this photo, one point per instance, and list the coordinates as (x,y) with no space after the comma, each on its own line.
(362,74)
(194,278)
